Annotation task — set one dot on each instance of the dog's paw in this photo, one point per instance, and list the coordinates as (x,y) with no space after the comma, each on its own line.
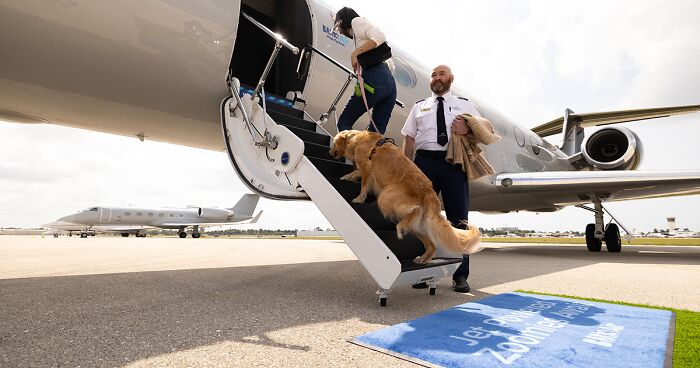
(359,199)
(419,260)
(400,233)
(347,177)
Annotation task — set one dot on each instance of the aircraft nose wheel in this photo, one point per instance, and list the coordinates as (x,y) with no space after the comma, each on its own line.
(612,238)
(592,243)
(182,234)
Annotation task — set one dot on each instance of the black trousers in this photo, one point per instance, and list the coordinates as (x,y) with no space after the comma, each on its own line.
(452,183)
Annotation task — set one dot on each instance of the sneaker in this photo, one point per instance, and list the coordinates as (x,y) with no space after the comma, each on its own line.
(460,285)
(420,285)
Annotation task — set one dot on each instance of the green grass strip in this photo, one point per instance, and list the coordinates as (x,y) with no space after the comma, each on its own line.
(686,343)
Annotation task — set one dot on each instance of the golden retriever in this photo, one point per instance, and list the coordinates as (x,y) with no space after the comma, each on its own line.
(404,193)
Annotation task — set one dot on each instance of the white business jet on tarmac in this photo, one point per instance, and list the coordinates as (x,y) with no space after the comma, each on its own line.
(128,220)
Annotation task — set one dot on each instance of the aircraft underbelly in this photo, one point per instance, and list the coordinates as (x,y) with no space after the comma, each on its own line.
(155,68)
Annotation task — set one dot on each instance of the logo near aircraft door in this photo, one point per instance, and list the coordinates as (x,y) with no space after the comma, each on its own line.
(285,158)
(335,36)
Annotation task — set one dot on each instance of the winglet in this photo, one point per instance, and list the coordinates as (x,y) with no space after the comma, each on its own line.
(256,218)
(246,205)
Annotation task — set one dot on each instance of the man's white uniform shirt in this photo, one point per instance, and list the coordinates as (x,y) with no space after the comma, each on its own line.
(421,123)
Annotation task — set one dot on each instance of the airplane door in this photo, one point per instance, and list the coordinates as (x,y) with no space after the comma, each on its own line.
(105,215)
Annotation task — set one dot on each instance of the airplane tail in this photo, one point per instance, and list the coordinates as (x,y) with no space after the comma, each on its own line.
(246,205)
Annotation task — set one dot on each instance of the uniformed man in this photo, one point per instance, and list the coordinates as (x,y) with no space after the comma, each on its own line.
(426,136)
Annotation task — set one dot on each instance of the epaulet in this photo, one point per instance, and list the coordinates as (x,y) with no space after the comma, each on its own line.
(463,98)
(420,101)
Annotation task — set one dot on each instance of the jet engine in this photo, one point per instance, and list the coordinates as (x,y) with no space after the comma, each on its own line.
(214,213)
(613,148)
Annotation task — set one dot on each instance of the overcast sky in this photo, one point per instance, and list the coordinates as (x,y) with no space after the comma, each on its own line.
(530,60)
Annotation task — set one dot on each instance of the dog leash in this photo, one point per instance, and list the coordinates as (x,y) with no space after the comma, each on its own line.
(361,81)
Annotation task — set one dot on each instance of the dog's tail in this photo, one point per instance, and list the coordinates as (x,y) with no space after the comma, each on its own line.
(443,234)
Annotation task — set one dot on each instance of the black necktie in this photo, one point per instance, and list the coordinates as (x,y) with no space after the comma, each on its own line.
(441,127)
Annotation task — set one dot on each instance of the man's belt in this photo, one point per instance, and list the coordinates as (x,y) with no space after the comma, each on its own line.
(432,154)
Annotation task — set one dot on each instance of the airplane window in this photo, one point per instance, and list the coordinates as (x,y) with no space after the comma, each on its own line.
(139,214)
(181,215)
(94,209)
(127,213)
(171,215)
(519,136)
(150,214)
(161,215)
(534,144)
(404,74)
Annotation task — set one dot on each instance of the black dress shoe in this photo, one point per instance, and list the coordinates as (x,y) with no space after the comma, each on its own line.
(420,285)
(460,285)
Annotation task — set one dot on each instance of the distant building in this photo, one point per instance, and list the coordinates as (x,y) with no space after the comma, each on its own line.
(312,233)
(671,223)
(507,228)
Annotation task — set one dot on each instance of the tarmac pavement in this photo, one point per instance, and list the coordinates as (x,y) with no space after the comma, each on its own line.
(146,302)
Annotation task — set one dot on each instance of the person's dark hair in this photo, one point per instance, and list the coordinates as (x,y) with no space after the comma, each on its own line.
(344,19)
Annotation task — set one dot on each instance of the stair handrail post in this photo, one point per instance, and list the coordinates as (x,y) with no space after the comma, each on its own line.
(268,67)
(331,109)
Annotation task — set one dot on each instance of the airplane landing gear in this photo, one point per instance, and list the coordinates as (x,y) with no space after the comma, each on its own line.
(182,234)
(125,235)
(597,232)
(83,235)
(195,232)
(612,238)
(592,243)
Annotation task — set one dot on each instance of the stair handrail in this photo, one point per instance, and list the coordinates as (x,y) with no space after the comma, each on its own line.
(279,43)
(351,74)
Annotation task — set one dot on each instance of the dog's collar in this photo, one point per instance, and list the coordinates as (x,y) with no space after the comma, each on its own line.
(380,143)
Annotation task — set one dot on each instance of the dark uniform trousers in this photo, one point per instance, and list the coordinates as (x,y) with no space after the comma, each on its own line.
(451,181)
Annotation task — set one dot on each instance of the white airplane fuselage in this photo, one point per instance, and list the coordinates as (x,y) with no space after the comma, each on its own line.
(157,69)
(166,218)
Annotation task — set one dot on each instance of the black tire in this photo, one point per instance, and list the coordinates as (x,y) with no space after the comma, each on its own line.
(196,236)
(125,235)
(382,302)
(592,243)
(432,291)
(55,235)
(83,235)
(182,235)
(612,238)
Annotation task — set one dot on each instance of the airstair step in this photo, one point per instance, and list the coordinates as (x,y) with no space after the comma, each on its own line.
(309,136)
(319,151)
(331,169)
(284,108)
(409,265)
(291,121)
(349,189)
(373,216)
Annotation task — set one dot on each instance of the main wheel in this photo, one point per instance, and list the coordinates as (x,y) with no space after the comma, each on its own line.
(125,235)
(55,235)
(196,235)
(612,238)
(432,291)
(592,243)
(182,234)
(83,235)
(382,302)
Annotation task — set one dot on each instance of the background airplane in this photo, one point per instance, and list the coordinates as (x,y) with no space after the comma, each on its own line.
(128,220)
(187,48)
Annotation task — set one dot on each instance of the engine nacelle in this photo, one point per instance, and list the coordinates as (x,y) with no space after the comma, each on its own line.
(213,213)
(613,148)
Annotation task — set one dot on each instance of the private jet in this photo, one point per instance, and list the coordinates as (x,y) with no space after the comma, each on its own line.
(128,220)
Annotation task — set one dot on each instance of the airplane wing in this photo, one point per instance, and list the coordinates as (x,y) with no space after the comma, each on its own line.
(564,188)
(612,117)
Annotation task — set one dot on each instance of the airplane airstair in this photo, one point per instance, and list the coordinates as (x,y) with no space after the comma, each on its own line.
(280,153)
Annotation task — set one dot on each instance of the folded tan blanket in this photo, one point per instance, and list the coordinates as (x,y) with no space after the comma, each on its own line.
(464,150)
